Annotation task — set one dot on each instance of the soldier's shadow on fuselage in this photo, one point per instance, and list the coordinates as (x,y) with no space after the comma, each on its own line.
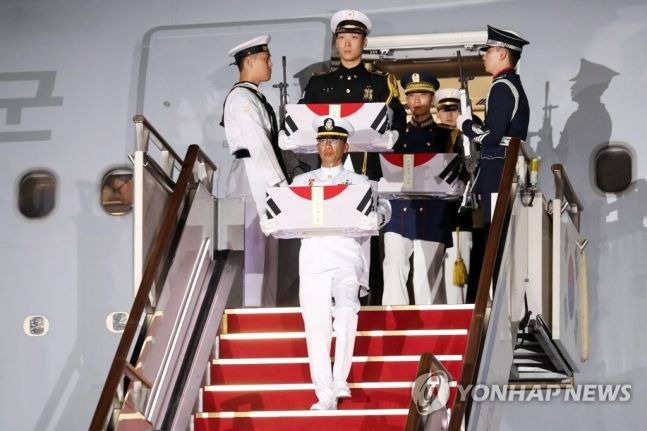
(587,130)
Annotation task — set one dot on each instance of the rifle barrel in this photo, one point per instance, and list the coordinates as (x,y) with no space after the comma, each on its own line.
(460,69)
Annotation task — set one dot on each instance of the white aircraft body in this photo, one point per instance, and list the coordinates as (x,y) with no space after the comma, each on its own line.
(73,73)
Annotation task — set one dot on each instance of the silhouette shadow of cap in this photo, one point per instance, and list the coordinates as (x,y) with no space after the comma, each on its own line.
(593,73)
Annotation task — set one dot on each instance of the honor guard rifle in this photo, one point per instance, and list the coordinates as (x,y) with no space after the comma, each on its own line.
(470,152)
(283,95)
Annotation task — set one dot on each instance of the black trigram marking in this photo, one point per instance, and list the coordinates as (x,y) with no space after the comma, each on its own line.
(365,206)
(271,209)
(380,121)
(290,126)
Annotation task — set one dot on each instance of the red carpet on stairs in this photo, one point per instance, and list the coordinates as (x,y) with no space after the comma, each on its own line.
(260,380)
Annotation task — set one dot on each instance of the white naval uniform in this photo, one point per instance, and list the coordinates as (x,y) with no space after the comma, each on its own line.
(248,126)
(330,267)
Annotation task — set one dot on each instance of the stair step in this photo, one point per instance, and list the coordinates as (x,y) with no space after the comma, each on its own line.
(370,318)
(366,420)
(300,396)
(367,343)
(296,370)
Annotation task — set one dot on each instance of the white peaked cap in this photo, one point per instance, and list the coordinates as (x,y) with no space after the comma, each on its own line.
(252,46)
(350,21)
(332,126)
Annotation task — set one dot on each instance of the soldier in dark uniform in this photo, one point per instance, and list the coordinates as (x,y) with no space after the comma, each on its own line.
(506,112)
(418,227)
(353,82)
(506,116)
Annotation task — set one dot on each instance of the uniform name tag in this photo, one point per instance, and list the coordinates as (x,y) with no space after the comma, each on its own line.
(317,206)
(407,171)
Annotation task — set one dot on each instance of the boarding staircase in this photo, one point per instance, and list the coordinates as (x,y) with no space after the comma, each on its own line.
(190,359)
(261,379)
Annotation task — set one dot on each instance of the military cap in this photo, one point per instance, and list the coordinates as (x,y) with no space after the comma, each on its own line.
(503,39)
(419,82)
(329,126)
(250,47)
(350,21)
(448,99)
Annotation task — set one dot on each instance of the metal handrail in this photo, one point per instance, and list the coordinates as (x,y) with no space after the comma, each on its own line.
(142,128)
(428,362)
(120,365)
(564,189)
(477,326)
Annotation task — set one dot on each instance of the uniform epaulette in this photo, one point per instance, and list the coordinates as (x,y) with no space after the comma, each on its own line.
(370,68)
(320,73)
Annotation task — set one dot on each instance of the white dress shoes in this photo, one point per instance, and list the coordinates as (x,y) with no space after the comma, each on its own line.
(342,391)
(325,405)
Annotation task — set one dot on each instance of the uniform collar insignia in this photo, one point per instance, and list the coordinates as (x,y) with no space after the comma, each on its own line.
(424,123)
(503,73)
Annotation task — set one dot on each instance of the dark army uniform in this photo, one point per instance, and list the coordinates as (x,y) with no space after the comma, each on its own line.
(506,116)
(358,85)
(425,219)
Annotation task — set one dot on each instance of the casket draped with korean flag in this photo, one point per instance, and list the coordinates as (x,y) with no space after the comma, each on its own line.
(420,175)
(305,211)
(370,121)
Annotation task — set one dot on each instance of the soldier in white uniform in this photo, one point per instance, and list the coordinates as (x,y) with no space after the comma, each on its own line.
(250,127)
(332,267)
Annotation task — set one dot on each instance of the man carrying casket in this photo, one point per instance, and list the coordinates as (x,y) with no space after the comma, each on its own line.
(419,227)
(331,268)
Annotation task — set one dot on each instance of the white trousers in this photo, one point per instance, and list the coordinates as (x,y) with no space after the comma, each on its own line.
(261,252)
(455,294)
(427,270)
(261,261)
(316,293)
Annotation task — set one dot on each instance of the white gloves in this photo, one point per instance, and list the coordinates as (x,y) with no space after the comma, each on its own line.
(461,119)
(393,137)
(285,142)
(457,187)
(384,208)
(375,220)
(370,222)
(268,226)
(385,141)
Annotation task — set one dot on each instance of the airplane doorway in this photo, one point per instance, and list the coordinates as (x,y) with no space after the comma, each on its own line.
(434,54)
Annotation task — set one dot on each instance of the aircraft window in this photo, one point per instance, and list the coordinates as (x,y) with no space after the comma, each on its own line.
(37,194)
(117,191)
(613,166)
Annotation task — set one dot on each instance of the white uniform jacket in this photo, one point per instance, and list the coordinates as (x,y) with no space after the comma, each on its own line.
(248,126)
(324,253)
